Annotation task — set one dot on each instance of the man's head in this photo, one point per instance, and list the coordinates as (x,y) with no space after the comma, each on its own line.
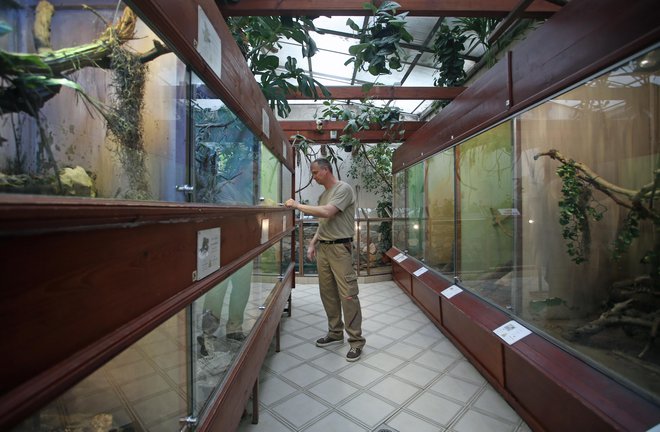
(321,171)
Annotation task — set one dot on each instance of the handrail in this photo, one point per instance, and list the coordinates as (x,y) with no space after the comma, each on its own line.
(366,248)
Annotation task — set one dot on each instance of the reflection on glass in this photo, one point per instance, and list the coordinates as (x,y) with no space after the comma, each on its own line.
(440,228)
(287,183)
(269,175)
(218,323)
(309,228)
(416,210)
(226,152)
(144,388)
(223,318)
(485,217)
(399,211)
(574,273)
(111,131)
(287,256)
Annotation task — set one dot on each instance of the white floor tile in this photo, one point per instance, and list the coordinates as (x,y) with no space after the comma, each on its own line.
(360,375)
(280,362)
(377,341)
(455,388)
(287,340)
(273,389)
(434,360)
(306,351)
(331,362)
(303,375)
(421,339)
(493,403)
(436,408)
(416,374)
(395,390)
(394,332)
(383,361)
(333,390)
(267,423)
(368,409)
(334,422)
(463,369)
(404,350)
(299,409)
(475,421)
(404,422)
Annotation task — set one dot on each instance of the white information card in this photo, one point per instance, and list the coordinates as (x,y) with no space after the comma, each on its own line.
(512,332)
(451,291)
(400,257)
(420,271)
(208,252)
(209,45)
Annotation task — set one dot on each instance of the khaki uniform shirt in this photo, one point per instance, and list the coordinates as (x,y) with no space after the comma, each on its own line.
(342,225)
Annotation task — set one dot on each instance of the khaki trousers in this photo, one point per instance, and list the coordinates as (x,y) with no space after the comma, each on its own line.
(339,292)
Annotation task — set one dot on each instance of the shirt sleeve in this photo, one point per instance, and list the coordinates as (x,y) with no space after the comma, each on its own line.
(343,197)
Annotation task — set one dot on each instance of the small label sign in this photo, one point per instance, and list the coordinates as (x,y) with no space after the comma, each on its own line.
(512,332)
(451,291)
(209,44)
(208,252)
(420,271)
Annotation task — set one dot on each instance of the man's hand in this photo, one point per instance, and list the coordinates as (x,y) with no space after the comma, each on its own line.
(291,203)
(311,252)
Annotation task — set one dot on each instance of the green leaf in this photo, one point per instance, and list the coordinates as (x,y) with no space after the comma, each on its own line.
(352,25)
(356,49)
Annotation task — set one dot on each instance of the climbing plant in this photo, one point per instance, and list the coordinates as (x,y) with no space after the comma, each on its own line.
(379,51)
(259,38)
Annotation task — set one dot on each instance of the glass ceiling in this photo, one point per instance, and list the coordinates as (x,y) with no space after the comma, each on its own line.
(335,37)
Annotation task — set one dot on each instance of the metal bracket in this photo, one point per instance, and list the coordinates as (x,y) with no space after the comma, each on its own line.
(187,423)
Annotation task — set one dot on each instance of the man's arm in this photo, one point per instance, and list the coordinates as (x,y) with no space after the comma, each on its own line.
(325,211)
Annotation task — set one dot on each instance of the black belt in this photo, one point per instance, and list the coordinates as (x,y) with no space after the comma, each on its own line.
(344,240)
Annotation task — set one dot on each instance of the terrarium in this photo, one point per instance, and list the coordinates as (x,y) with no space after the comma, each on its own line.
(552,216)
(95,112)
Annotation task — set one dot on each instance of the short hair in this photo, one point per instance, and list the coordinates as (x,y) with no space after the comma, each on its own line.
(323,163)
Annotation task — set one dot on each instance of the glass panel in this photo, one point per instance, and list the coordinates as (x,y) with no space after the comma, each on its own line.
(226,151)
(573,285)
(416,210)
(143,388)
(399,211)
(287,183)
(286,253)
(485,221)
(372,247)
(109,129)
(269,172)
(223,317)
(309,229)
(440,195)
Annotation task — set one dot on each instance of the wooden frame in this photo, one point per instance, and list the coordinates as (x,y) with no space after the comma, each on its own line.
(489,8)
(574,47)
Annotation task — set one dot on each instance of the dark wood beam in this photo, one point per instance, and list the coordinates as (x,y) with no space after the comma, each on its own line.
(508,21)
(309,130)
(385,92)
(453,8)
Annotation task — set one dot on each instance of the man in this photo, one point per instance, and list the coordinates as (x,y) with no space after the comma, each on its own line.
(332,245)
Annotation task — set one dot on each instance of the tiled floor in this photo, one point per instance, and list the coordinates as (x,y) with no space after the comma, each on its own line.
(410,377)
